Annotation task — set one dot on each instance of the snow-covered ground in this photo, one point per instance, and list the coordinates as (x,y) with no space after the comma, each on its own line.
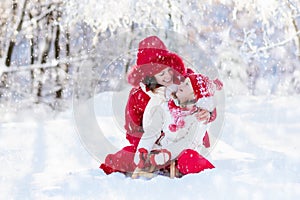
(257,157)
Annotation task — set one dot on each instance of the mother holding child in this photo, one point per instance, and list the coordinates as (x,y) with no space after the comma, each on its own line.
(167,116)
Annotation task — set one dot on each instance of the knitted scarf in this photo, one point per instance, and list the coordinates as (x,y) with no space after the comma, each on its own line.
(178,113)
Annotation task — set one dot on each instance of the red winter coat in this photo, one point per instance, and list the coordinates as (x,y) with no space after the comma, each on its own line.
(134,111)
(135,108)
(123,160)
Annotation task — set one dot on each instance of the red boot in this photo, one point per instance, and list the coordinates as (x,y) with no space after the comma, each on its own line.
(122,161)
(190,161)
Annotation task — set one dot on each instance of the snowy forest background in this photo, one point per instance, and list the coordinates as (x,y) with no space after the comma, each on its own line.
(46,45)
(55,51)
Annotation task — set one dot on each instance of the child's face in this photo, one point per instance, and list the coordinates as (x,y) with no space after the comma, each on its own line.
(185,91)
(165,77)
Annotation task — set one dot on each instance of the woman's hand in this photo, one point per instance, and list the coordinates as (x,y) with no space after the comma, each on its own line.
(203,116)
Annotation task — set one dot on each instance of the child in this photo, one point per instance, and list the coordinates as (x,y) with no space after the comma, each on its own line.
(171,128)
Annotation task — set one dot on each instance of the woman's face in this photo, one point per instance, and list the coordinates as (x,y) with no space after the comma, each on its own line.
(185,91)
(165,77)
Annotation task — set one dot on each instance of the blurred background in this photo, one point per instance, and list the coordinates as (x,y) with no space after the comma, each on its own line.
(50,47)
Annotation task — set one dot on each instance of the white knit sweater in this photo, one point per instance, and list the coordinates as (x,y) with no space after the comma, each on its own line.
(157,118)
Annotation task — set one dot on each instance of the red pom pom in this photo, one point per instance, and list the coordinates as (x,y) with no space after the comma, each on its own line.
(180,123)
(172,127)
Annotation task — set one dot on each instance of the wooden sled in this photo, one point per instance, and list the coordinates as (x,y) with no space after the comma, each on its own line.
(148,174)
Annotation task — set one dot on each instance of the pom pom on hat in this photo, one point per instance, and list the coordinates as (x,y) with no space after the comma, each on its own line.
(152,57)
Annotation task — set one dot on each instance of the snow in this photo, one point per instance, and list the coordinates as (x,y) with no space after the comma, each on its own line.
(257,157)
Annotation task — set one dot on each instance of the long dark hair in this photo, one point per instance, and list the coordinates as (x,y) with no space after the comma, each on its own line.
(151,83)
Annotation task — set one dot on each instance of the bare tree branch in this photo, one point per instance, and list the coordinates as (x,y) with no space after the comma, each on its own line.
(50,63)
(41,16)
(276,44)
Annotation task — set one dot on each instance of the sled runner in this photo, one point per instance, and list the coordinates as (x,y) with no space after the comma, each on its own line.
(151,173)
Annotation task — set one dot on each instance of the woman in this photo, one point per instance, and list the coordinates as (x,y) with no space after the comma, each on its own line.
(151,52)
(171,129)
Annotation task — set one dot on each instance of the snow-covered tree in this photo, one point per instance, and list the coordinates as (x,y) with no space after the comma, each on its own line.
(49,46)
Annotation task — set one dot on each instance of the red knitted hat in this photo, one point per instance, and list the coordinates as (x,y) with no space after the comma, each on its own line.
(202,86)
(152,57)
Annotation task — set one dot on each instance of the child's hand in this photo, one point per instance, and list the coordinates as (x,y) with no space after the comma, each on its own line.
(203,116)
